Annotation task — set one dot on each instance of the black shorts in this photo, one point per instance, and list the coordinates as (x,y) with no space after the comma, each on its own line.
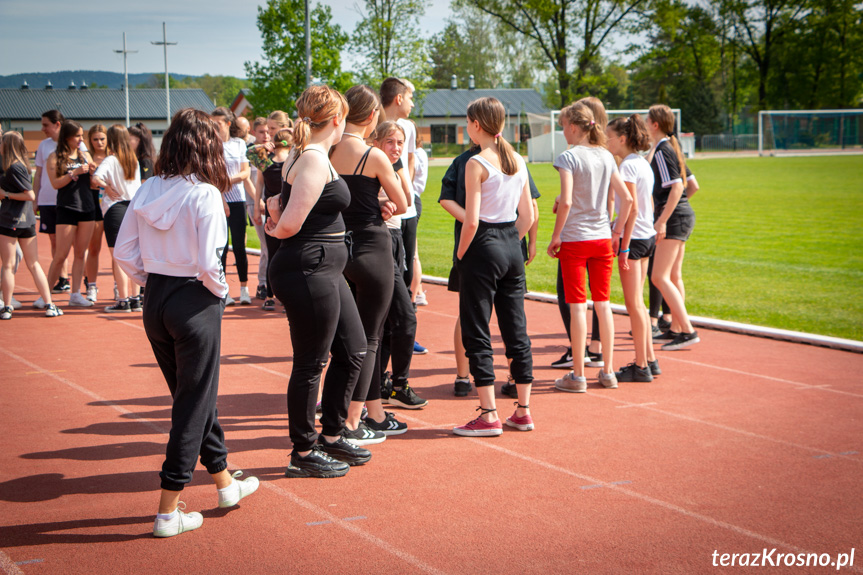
(113,219)
(639,249)
(452,283)
(48,219)
(29,232)
(97,201)
(67,217)
(679,226)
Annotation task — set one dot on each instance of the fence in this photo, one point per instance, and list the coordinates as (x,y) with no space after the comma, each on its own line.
(729,142)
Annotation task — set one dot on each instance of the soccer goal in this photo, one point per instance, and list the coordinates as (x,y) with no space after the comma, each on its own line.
(545,147)
(788,132)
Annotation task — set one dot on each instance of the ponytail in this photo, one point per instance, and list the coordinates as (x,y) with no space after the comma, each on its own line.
(664,118)
(508,163)
(675,143)
(316,106)
(635,130)
(581,115)
(490,114)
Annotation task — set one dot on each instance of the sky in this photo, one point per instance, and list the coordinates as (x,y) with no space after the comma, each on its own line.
(215,37)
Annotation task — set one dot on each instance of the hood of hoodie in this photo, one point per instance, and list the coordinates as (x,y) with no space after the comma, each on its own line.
(159,201)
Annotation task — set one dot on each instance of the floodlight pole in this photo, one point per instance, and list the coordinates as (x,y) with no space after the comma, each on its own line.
(124,52)
(308,46)
(165,44)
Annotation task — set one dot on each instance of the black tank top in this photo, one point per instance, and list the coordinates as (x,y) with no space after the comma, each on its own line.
(325,217)
(364,208)
(76,195)
(273,180)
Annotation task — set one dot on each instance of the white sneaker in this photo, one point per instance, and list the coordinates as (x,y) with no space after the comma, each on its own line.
(229,300)
(92,293)
(244,296)
(178,523)
(77,300)
(421,298)
(39,303)
(53,311)
(239,488)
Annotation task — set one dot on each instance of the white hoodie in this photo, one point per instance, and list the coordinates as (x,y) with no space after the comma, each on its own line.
(175,227)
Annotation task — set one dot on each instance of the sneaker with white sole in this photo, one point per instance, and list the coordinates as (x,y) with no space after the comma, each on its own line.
(523,423)
(479,427)
(178,522)
(53,311)
(261,292)
(565,361)
(422,299)
(593,359)
(77,300)
(389,426)
(571,383)
(229,300)
(269,305)
(245,298)
(239,488)
(681,340)
(122,306)
(607,380)
(6,312)
(136,303)
(39,303)
(92,293)
(363,435)
(406,398)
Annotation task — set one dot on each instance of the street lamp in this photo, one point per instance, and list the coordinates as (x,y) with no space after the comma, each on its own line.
(124,52)
(165,44)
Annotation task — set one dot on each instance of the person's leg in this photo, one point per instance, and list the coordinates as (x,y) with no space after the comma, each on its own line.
(573,266)
(237,223)
(650,355)
(272,248)
(7,274)
(666,254)
(461,363)
(409,238)
(94,248)
(83,234)
(262,240)
(561,303)
(677,278)
(416,286)
(30,249)
(65,236)
(633,296)
(654,295)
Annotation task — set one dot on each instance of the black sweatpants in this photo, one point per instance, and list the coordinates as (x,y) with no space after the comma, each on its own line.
(237,227)
(370,272)
(183,321)
(409,238)
(491,273)
(400,329)
(306,275)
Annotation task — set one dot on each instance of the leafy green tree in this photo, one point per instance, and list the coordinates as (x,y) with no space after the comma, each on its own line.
(278,79)
(389,37)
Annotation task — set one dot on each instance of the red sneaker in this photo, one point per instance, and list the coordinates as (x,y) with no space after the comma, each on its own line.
(524,423)
(479,428)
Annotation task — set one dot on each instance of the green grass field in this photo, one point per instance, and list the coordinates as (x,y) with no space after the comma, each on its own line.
(773,243)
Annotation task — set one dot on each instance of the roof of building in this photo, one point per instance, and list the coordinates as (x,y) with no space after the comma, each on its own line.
(440,103)
(144,104)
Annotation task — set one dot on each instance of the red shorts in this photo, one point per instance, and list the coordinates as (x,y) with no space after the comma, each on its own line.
(597,257)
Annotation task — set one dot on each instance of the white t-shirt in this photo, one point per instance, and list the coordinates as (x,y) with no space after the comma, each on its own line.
(499,193)
(591,168)
(410,147)
(421,171)
(235,156)
(46,195)
(111,172)
(636,170)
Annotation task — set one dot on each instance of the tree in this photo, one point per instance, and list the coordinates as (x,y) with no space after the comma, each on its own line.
(389,38)
(280,77)
(557,26)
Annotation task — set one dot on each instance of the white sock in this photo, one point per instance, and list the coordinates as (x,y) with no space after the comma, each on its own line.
(167,516)
(230,487)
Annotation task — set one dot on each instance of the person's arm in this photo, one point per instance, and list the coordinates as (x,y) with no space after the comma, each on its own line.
(524,221)
(65,179)
(626,216)
(691,186)
(406,186)
(669,172)
(452,207)
(37,182)
(531,233)
(383,171)
(21,180)
(311,176)
(127,249)
(473,190)
(243,174)
(212,237)
(258,195)
(563,203)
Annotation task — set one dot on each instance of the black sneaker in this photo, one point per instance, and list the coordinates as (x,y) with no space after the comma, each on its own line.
(666,336)
(363,435)
(389,426)
(509,389)
(461,387)
(633,373)
(269,305)
(62,286)
(318,463)
(565,361)
(136,303)
(122,306)
(681,341)
(655,331)
(593,359)
(261,292)
(654,368)
(406,397)
(663,324)
(344,450)
(386,387)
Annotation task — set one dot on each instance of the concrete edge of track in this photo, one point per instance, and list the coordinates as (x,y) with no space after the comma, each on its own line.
(706,322)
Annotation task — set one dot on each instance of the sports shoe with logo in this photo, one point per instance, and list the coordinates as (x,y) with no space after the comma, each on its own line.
(122,306)
(344,450)
(318,463)
(389,426)
(419,350)
(6,312)
(422,299)
(681,341)
(565,361)
(479,427)
(245,298)
(269,305)
(177,522)
(406,398)
(52,310)
(363,435)
(261,292)
(62,286)
(77,300)
(571,383)
(593,359)
(633,373)
(229,301)
(136,303)
(239,488)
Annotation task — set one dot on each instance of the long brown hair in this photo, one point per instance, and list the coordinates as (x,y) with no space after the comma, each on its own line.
(146,149)
(192,147)
(490,114)
(580,114)
(13,150)
(281,119)
(635,131)
(68,129)
(664,118)
(120,146)
(316,106)
(95,129)
(362,101)
(598,108)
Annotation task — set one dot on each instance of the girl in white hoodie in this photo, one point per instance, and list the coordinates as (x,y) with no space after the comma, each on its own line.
(172,240)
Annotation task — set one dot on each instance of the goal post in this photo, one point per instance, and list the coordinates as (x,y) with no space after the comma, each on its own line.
(787,132)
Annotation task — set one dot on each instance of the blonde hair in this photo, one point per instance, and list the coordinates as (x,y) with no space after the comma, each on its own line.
(490,114)
(316,106)
(14,149)
(580,115)
(596,106)
(384,129)
(664,118)
(281,119)
(121,147)
(95,129)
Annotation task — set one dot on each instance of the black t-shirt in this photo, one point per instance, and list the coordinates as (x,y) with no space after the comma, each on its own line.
(76,195)
(145,166)
(666,172)
(16,213)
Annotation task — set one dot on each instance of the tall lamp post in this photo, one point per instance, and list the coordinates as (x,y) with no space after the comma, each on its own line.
(165,44)
(124,52)
(308,46)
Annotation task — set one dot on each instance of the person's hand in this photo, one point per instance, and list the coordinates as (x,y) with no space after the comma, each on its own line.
(274,208)
(388,208)
(111,192)
(659,226)
(270,226)
(269,146)
(92,168)
(554,246)
(256,216)
(531,252)
(615,242)
(623,261)
(554,207)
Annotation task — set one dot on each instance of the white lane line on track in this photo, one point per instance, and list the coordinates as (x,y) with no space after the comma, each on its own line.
(636,405)
(382,544)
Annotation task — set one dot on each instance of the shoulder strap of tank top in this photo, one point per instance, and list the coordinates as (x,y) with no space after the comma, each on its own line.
(333,176)
(361,165)
(292,165)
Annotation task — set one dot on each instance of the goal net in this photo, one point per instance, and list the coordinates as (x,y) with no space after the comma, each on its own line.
(785,132)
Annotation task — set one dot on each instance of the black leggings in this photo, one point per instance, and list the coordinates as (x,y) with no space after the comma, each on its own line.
(370,273)
(491,273)
(566,313)
(183,321)
(272,247)
(400,329)
(655,296)
(409,238)
(237,227)
(306,276)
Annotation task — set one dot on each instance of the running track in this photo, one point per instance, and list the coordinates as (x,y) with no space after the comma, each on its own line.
(742,444)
